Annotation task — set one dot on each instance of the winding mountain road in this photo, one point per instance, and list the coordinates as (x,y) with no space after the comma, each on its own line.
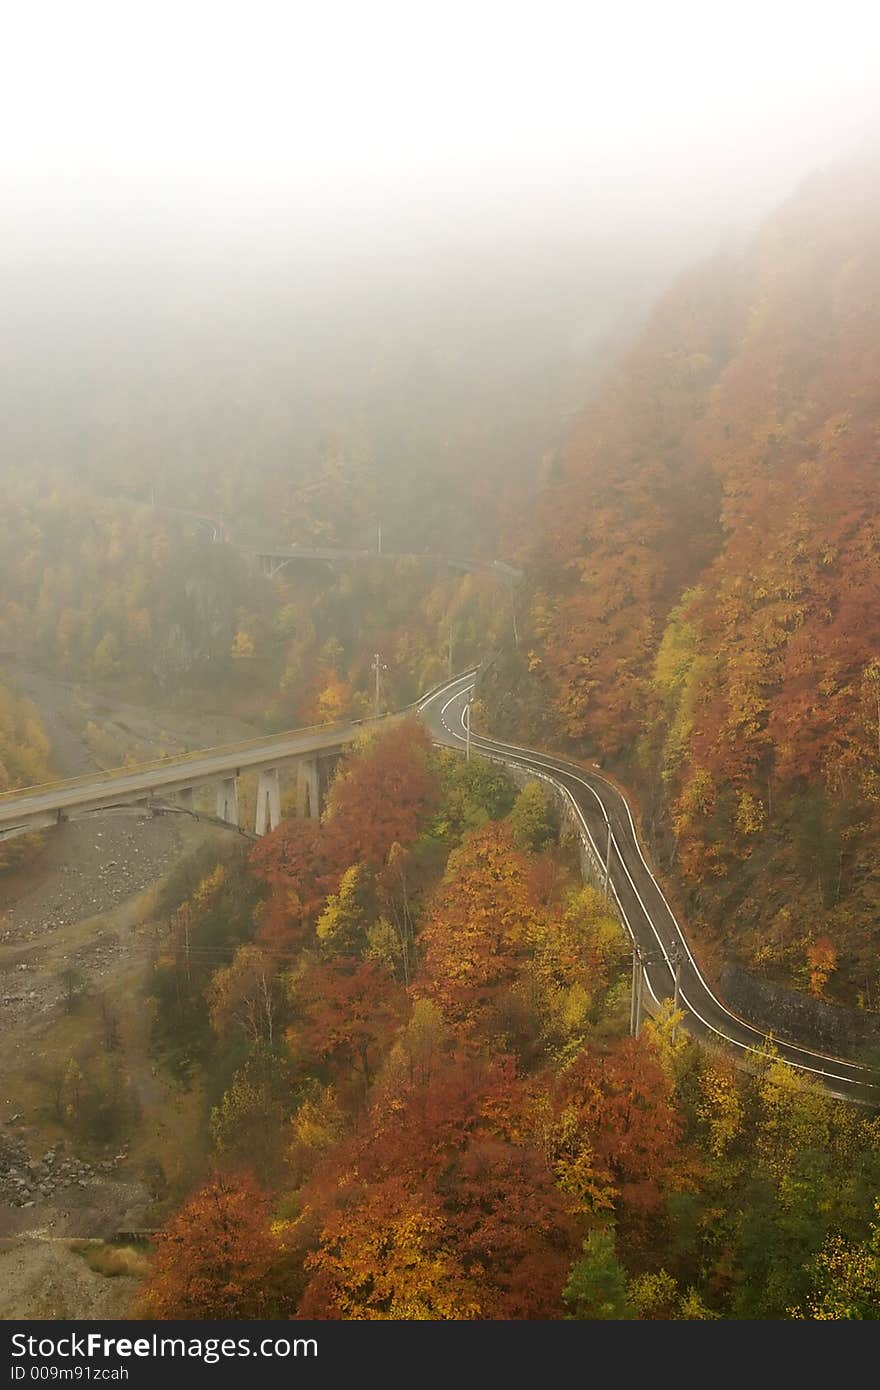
(650,920)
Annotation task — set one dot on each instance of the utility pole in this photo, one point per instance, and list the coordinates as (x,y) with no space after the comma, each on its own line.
(449,657)
(184,915)
(379,549)
(639,987)
(378,667)
(467,729)
(634,1001)
(675,958)
(641,961)
(608,861)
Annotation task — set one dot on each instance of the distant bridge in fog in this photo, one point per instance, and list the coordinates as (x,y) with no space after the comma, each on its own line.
(169,785)
(273,557)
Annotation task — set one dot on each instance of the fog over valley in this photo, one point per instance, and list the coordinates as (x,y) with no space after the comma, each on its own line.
(411,238)
(439,671)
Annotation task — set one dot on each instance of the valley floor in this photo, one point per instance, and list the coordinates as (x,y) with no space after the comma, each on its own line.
(84,904)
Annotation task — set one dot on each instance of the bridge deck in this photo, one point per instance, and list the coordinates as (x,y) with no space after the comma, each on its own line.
(168,774)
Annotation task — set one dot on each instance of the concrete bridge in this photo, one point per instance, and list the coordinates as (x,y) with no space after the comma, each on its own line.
(272,557)
(170,784)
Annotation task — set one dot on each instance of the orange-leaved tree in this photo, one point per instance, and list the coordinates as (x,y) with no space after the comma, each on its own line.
(438,1204)
(477,933)
(382,795)
(617,1126)
(349,1010)
(217,1258)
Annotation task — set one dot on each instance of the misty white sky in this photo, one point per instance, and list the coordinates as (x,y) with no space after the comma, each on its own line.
(240,109)
(401,218)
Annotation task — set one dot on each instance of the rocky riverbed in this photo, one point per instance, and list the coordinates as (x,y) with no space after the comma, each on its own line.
(84,905)
(24,1180)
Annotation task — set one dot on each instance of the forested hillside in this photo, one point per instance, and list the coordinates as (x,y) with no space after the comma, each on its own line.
(704,598)
(117,593)
(407,1026)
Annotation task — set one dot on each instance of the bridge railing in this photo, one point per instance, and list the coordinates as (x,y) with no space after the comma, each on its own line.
(183,760)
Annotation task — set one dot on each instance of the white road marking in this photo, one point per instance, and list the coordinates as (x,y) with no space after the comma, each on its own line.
(535,759)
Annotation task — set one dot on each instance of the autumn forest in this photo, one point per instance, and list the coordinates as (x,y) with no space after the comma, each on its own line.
(380,1063)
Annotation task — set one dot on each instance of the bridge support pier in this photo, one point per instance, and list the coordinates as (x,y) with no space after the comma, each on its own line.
(268,800)
(227,800)
(308,788)
(185,798)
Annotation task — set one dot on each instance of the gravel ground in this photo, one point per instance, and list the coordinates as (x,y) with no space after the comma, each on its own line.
(79,904)
(40,1277)
(91,866)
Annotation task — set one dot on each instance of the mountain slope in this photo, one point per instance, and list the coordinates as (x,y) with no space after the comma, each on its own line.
(705,605)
